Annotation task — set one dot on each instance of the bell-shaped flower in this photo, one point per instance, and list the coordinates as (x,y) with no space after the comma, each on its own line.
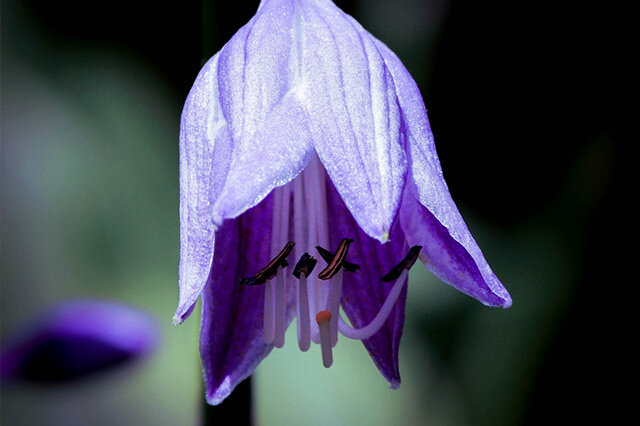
(77,339)
(306,129)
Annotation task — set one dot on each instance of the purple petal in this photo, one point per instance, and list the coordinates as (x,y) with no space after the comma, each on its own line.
(363,293)
(453,263)
(231,343)
(243,132)
(356,123)
(78,339)
(435,222)
(205,152)
(260,100)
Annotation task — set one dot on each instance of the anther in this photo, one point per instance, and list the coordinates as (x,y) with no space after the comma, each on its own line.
(327,256)
(304,266)
(302,270)
(338,260)
(405,264)
(249,281)
(271,269)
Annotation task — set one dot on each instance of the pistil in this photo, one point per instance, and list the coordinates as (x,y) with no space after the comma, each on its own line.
(323,318)
(317,306)
(333,272)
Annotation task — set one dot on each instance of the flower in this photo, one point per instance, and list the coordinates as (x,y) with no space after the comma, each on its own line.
(77,339)
(305,128)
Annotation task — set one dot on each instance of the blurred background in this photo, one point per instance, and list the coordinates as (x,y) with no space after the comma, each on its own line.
(523,101)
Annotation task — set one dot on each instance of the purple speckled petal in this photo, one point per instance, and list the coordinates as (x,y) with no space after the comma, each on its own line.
(435,221)
(259,98)
(356,122)
(231,343)
(363,293)
(77,339)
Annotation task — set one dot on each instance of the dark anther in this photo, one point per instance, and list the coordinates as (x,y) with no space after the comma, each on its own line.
(328,257)
(271,269)
(250,281)
(338,260)
(305,265)
(405,263)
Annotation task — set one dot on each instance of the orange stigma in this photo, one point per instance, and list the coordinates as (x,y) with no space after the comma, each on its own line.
(323,316)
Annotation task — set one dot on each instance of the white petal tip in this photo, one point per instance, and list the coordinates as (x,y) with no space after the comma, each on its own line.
(177,320)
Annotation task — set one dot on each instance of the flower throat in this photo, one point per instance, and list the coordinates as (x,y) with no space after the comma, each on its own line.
(316,296)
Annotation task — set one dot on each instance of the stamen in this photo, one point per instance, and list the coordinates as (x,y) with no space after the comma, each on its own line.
(336,263)
(327,256)
(319,184)
(305,265)
(379,320)
(299,232)
(280,260)
(312,211)
(323,318)
(302,270)
(404,265)
(271,269)
(333,305)
(269,316)
(281,314)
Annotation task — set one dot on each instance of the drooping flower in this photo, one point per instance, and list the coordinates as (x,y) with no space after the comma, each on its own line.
(306,129)
(77,339)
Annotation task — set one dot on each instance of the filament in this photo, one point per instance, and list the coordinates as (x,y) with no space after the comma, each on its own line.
(379,320)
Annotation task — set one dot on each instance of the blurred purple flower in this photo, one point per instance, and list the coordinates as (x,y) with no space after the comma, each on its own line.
(76,339)
(306,128)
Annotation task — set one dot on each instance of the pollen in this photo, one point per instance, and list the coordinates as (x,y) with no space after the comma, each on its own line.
(336,263)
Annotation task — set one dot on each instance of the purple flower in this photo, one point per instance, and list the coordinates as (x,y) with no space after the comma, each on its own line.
(305,128)
(77,339)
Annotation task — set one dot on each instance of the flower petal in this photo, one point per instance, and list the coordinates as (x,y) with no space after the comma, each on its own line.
(428,214)
(461,266)
(205,152)
(231,343)
(356,122)
(363,293)
(258,95)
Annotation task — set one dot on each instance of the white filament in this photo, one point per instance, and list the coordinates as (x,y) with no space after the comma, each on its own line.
(281,309)
(302,308)
(311,228)
(269,296)
(310,196)
(333,305)
(281,277)
(304,332)
(379,320)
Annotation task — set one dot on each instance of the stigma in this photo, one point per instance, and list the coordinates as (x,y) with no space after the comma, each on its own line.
(300,226)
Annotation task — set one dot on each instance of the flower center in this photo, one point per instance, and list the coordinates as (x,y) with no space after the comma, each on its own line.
(300,215)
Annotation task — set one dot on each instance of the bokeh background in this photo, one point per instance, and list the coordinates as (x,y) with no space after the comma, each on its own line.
(523,101)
